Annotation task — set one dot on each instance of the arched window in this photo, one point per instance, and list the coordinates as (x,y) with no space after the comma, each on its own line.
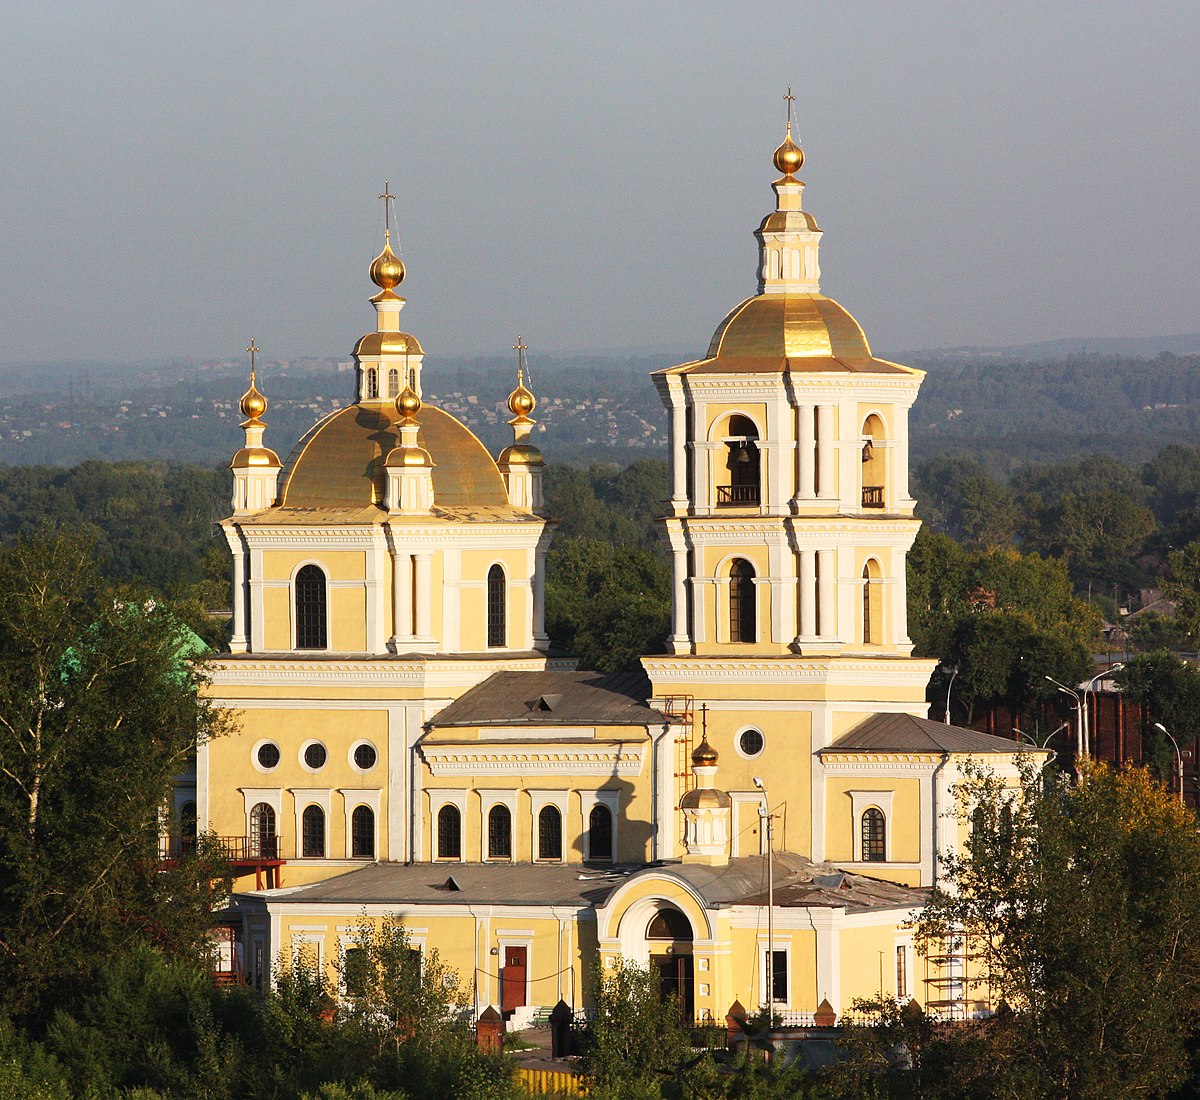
(874,485)
(312,840)
(872,605)
(874,836)
(263,842)
(743,626)
(393,382)
(742,462)
(449,833)
(669,924)
(600,833)
(550,833)
(311,631)
(362,833)
(372,384)
(497,625)
(499,833)
(867,639)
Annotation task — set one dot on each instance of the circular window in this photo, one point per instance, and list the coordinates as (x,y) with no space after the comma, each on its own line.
(365,757)
(750,742)
(268,755)
(314,755)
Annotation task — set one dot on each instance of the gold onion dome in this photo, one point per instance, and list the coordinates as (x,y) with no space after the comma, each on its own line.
(789,157)
(387,269)
(408,404)
(705,755)
(253,403)
(521,402)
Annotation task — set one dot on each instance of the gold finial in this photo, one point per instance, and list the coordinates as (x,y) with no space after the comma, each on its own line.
(408,404)
(521,401)
(253,403)
(387,270)
(789,157)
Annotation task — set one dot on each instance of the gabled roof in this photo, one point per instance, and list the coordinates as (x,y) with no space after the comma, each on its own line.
(905,733)
(554,699)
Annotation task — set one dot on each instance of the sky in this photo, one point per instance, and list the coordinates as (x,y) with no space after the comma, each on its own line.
(175,179)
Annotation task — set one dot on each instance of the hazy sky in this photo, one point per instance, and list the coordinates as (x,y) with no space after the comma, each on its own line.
(175,178)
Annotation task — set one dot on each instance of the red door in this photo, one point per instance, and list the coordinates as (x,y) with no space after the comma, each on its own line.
(512,979)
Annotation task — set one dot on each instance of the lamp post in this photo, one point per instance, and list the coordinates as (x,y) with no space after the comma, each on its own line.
(1090,689)
(953,670)
(1080,733)
(1033,741)
(768,819)
(1178,757)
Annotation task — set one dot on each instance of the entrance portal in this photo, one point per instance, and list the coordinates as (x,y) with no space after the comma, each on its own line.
(669,938)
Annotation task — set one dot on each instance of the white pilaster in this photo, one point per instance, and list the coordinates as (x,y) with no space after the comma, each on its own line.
(806,441)
(237,642)
(826,447)
(402,593)
(679,558)
(808,595)
(423,582)
(827,625)
(541,640)
(678,451)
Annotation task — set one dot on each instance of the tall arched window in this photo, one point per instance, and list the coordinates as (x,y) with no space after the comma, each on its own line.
(263,842)
(874,836)
(312,843)
(866,606)
(393,383)
(600,833)
(449,833)
(372,383)
(497,611)
(550,833)
(872,605)
(362,833)
(499,833)
(743,463)
(311,632)
(743,626)
(874,484)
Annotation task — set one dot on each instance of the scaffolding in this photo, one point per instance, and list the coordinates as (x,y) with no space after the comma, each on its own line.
(679,711)
(949,984)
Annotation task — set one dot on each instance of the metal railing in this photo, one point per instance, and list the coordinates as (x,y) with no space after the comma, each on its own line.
(235,849)
(737,494)
(872,496)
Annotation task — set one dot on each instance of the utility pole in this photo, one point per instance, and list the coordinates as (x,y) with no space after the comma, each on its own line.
(768,819)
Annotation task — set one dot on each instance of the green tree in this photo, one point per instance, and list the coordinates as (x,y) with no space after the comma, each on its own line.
(99,711)
(1167,690)
(1079,907)
(1181,586)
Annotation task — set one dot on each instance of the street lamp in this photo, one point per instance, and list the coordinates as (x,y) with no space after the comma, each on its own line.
(1049,737)
(1078,710)
(953,670)
(768,819)
(1178,756)
(1090,687)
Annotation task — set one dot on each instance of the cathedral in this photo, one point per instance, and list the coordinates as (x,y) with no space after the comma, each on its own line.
(754,814)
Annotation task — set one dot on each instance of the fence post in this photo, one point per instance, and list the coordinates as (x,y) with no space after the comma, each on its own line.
(825,1016)
(489,1031)
(733,1032)
(561,1018)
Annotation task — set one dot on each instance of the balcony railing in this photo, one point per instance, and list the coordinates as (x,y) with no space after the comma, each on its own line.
(242,853)
(872,496)
(737,494)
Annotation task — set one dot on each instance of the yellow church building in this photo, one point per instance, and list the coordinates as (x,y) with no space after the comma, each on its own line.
(754,814)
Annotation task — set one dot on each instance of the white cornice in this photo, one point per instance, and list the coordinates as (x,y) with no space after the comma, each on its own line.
(615,759)
(382,672)
(850,671)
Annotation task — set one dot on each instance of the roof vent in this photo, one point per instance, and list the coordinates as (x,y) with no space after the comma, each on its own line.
(547,702)
(450,884)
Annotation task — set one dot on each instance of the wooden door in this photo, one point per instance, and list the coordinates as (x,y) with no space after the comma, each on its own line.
(512,979)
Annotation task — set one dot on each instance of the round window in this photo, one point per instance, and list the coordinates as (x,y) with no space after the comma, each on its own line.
(364,757)
(268,755)
(314,755)
(750,742)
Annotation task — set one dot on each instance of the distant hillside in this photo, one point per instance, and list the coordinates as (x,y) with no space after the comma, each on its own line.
(1126,347)
(1006,411)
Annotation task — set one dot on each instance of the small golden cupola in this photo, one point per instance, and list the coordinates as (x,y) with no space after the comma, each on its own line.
(521,463)
(409,467)
(388,359)
(706,810)
(255,467)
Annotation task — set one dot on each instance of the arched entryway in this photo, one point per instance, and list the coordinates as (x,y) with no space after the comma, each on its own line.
(669,944)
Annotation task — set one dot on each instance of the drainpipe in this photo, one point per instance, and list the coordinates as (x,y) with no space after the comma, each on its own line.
(933,794)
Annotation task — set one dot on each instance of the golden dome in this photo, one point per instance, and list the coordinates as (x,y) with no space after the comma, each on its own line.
(521,454)
(387,269)
(253,402)
(408,404)
(789,157)
(381,343)
(521,402)
(249,457)
(705,755)
(705,798)
(339,462)
(409,456)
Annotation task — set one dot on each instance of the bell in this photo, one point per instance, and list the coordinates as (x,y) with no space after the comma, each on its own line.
(744,454)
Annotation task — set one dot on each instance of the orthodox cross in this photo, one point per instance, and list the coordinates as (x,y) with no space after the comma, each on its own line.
(790,100)
(387,197)
(520,347)
(253,349)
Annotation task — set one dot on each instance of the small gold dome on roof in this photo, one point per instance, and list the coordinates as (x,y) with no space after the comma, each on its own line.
(521,402)
(705,756)
(253,403)
(387,269)
(789,157)
(408,404)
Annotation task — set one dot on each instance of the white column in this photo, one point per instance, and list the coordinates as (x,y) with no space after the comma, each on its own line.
(423,582)
(808,595)
(826,483)
(256,621)
(402,585)
(540,639)
(806,440)
(678,453)
(237,643)
(827,593)
(679,599)
(451,633)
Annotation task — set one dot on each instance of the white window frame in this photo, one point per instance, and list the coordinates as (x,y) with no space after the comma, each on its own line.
(353,797)
(860,802)
(588,801)
(437,799)
(302,798)
(538,801)
(328,605)
(487,800)
(764,950)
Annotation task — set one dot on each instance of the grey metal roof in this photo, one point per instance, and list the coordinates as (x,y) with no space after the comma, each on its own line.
(798,882)
(463,883)
(554,699)
(904,733)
